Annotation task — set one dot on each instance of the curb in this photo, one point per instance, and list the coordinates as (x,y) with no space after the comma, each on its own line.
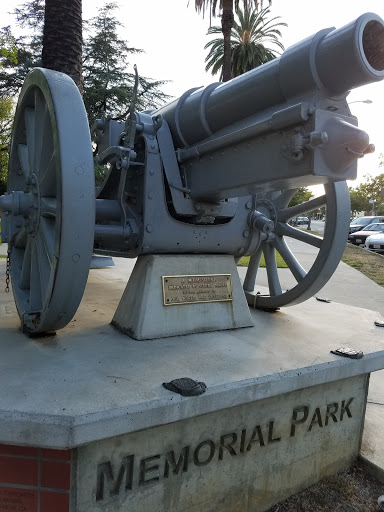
(372,469)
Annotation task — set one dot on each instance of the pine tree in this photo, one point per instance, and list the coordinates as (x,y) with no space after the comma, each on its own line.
(108,83)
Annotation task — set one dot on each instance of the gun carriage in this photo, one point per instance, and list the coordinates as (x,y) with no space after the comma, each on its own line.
(212,172)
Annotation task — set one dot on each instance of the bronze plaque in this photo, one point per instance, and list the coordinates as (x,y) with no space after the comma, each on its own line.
(191,289)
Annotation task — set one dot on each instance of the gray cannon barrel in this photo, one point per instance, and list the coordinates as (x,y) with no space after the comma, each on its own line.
(333,61)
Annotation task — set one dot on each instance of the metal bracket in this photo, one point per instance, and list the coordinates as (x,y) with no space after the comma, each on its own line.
(181,199)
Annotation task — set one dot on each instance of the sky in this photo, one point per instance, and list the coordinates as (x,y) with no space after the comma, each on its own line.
(173,36)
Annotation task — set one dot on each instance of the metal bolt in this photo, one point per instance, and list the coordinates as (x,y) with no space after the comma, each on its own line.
(245,234)
(153,146)
(150,196)
(149,228)
(248,205)
(151,172)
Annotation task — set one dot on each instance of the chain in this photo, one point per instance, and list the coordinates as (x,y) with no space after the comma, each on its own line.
(8,269)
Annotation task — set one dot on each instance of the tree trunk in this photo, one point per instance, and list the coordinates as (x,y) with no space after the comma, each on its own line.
(227,21)
(62,39)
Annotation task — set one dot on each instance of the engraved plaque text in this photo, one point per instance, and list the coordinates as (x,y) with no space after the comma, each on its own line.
(190,289)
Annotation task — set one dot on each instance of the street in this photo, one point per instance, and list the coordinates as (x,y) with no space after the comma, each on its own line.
(317,225)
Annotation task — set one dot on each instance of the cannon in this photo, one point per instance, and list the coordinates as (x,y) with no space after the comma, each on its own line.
(212,172)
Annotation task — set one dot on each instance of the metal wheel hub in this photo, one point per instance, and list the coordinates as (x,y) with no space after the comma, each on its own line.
(264,218)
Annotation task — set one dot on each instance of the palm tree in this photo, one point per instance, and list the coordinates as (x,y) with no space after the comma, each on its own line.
(249,37)
(227,21)
(62,39)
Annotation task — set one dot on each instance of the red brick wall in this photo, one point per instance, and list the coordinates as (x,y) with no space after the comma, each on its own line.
(34,479)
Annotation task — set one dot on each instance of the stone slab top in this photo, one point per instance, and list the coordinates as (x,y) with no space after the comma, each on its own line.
(91,382)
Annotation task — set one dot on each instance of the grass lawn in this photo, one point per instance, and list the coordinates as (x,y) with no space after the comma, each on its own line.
(279,261)
(368,263)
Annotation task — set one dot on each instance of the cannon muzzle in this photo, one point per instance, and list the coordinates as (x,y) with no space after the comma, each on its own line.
(331,61)
(282,125)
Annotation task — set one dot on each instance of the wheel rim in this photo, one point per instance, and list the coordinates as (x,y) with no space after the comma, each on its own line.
(331,247)
(52,185)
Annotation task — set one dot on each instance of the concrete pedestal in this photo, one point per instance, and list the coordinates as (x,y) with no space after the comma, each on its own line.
(142,314)
(86,425)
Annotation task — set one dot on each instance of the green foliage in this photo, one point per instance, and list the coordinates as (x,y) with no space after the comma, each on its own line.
(8,48)
(6,115)
(108,86)
(251,37)
(27,48)
(214,5)
(370,189)
(302,195)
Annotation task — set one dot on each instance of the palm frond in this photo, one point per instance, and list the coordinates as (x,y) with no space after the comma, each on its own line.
(254,40)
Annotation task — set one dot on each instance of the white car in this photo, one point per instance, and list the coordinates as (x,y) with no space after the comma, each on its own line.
(375,243)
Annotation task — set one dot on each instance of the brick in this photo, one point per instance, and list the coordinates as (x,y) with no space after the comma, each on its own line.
(56,454)
(54,501)
(55,475)
(18,471)
(18,499)
(23,451)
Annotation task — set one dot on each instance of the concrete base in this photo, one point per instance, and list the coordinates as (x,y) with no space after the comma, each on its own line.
(244,458)
(142,315)
(86,425)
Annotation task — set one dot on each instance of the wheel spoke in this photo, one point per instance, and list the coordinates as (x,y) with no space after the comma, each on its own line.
(253,267)
(297,234)
(25,275)
(47,236)
(36,296)
(285,252)
(285,214)
(22,153)
(48,177)
(41,119)
(271,266)
(44,263)
(30,120)
(283,199)
(48,207)
(20,240)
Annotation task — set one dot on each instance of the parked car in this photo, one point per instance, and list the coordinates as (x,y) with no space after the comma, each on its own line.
(360,223)
(359,237)
(375,243)
(302,220)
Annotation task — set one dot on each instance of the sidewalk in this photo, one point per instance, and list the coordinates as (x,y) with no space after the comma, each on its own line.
(3,249)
